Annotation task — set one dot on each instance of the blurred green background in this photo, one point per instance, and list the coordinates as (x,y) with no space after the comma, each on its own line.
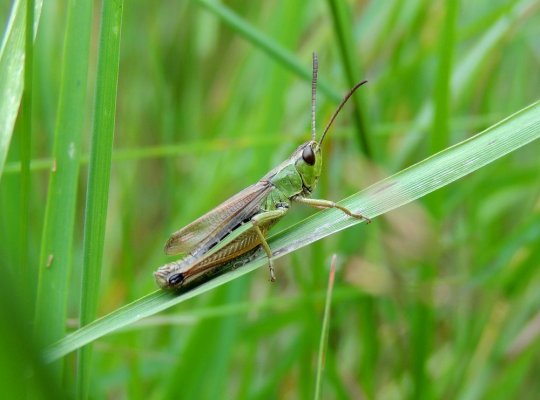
(438,299)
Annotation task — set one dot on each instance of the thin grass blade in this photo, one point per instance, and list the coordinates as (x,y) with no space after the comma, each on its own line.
(323,343)
(57,234)
(268,45)
(12,71)
(99,171)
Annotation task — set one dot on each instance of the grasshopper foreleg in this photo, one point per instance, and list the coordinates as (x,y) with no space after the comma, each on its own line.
(261,220)
(320,203)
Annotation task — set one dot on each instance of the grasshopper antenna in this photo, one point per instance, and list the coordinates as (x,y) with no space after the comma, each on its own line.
(338,109)
(314,95)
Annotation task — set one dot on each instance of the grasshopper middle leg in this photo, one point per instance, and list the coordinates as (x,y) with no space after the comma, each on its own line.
(320,203)
(261,220)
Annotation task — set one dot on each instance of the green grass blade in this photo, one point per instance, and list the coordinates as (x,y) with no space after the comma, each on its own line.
(467,70)
(323,343)
(404,187)
(99,171)
(12,70)
(23,373)
(343,27)
(268,45)
(163,151)
(424,177)
(24,271)
(57,236)
(441,130)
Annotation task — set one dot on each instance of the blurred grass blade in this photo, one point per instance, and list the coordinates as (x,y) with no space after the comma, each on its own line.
(440,134)
(268,45)
(23,373)
(12,70)
(323,344)
(99,172)
(466,73)
(404,187)
(24,271)
(57,235)
(441,97)
(168,150)
(342,21)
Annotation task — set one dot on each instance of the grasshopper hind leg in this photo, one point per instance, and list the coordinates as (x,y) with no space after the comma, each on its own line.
(264,219)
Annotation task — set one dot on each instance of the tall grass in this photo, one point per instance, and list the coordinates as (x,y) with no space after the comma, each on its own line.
(437,299)
(97,194)
(56,256)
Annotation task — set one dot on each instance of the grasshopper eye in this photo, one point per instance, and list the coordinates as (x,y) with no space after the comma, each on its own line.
(308,155)
(176,279)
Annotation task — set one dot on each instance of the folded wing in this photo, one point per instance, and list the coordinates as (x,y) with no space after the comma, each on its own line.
(204,233)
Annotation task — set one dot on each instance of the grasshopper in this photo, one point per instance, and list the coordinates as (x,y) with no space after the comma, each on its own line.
(238,226)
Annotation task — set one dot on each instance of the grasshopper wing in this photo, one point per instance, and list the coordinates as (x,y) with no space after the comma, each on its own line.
(205,232)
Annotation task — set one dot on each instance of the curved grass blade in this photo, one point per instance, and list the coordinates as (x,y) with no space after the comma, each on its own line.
(404,187)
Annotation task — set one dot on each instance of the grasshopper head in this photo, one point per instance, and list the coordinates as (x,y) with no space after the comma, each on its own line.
(308,163)
(308,158)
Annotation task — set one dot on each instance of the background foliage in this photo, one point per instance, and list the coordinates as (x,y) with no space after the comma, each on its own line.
(437,299)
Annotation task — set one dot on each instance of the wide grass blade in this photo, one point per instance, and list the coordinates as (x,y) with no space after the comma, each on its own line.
(404,187)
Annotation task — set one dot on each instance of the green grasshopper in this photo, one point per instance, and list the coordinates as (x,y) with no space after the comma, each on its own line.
(238,227)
